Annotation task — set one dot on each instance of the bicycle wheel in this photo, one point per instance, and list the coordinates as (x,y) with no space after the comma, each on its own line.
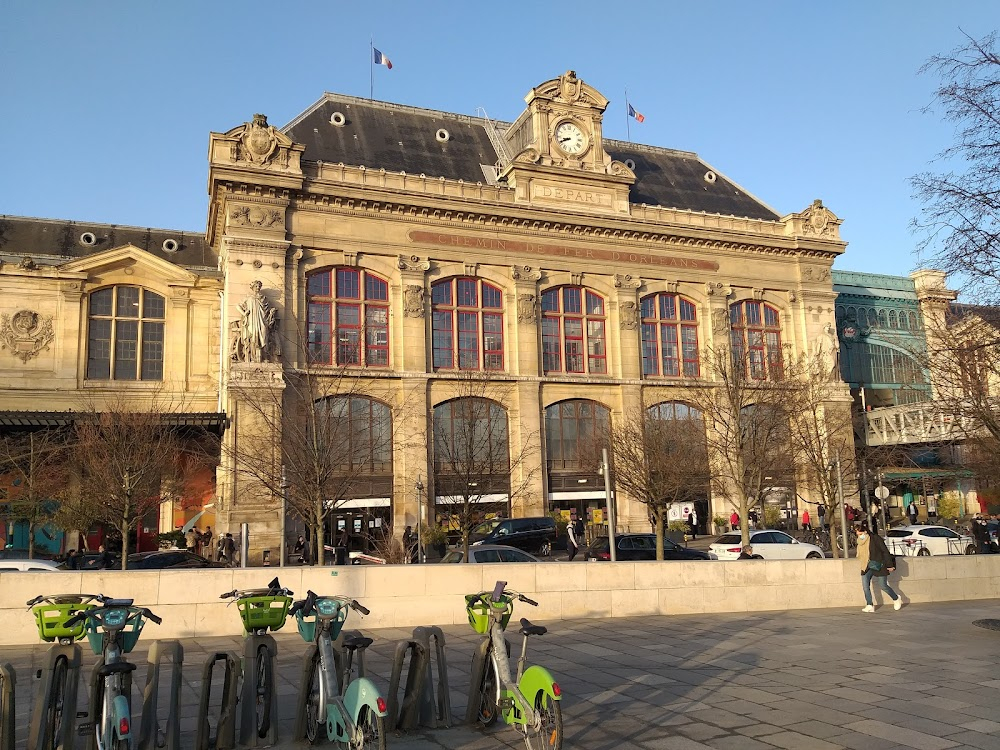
(489,695)
(315,724)
(54,710)
(264,687)
(549,735)
(372,727)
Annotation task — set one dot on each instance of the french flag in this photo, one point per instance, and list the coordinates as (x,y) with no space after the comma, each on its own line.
(381,59)
(639,117)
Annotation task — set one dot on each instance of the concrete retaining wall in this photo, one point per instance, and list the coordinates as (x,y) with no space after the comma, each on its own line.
(410,595)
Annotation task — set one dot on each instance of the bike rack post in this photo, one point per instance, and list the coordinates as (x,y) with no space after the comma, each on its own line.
(406,715)
(225,728)
(8,679)
(435,704)
(149,726)
(95,709)
(38,730)
(249,736)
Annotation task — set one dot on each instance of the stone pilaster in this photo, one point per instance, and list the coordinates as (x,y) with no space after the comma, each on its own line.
(414,327)
(525,435)
(627,360)
(525,348)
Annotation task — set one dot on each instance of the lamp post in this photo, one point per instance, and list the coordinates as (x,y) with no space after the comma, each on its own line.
(419,486)
(284,514)
(843,510)
(606,473)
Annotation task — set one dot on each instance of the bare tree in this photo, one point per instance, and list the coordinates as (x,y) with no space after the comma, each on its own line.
(130,457)
(746,429)
(659,461)
(961,215)
(35,462)
(335,432)
(477,470)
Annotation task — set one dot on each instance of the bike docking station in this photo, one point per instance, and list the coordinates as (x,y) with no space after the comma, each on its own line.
(253,645)
(422,705)
(225,723)
(149,728)
(8,679)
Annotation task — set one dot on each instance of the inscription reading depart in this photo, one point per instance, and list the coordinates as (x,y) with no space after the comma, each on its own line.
(495,244)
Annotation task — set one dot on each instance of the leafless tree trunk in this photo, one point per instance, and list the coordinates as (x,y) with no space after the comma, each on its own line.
(37,461)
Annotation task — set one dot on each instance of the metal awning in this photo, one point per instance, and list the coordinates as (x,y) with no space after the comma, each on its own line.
(902,473)
(33,419)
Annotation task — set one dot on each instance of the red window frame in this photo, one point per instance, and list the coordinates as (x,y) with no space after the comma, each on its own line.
(338,288)
(669,319)
(755,333)
(579,305)
(457,314)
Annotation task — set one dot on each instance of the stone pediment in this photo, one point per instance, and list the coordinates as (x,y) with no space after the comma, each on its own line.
(815,222)
(143,265)
(568,89)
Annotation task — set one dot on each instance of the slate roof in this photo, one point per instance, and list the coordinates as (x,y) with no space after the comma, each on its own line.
(60,239)
(395,137)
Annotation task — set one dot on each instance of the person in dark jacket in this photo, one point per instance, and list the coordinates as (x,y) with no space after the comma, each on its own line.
(876,563)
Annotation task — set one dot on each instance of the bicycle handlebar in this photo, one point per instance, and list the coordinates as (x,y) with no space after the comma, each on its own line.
(98,614)
(274,588)
(307,605)
(361,609)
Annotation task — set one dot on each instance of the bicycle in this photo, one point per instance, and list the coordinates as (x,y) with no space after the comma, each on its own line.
(113,630)
(261,610)
(532,700)
(348,711)
(57,695)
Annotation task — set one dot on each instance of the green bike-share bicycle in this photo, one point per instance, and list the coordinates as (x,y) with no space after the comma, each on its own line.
(333,706)
(531,700)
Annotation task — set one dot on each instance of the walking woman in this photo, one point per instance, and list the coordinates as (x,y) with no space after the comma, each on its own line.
(876,562)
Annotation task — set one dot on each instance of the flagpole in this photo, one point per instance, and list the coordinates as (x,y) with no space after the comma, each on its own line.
(371,68)
(628,128)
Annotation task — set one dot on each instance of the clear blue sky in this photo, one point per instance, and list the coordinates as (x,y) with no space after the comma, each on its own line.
(105,107)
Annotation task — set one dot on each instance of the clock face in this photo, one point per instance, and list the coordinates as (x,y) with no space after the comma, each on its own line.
(570,138)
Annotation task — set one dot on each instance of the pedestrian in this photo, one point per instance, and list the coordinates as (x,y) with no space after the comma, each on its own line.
(805,520)
(693,523)
(191,539)
(911,512)
(409,545)
(220,553)
(230,547)
(753,518)
(572,543)
(72,560)
(734,521)
(876,562)
(980,532)
(746,553)
(104,559)
(206,541)
(821,512)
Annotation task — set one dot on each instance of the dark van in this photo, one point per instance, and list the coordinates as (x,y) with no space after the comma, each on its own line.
(535,534)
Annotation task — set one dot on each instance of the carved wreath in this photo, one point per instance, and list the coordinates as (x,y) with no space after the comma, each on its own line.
(25,334)
(413,301)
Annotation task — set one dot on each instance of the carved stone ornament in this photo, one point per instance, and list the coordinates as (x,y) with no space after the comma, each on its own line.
(254,338)
(524,273)
(526,309)
(817,219)
(413,301)
(570,86)
(528,156)
(816,274)
(627,281)
(253,216)
(628,316)
(619,169)
(258,142)
(25,334)
(720,320)
(27,264)
(413,263)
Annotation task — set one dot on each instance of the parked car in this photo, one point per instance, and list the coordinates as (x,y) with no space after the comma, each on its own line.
(30,566)
(169,558)
(928,540)
(770,544)
(534,534)
(9,553)
(489,553)
(641,547)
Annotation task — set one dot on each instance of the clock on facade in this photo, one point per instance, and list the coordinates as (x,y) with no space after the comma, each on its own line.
(570,139)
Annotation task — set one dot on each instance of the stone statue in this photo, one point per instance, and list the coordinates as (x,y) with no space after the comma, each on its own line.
(828,352)
(253,339)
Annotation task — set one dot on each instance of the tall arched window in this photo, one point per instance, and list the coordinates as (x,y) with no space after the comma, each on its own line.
(669,336)
(346,306)
(893,322)
(573,331)
(755,333)
(125,334)
(471,448)
(575,432)
(676,411)
(357,431)
(467,325)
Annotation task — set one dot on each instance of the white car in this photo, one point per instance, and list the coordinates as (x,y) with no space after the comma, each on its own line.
(928,540)
(30,566)
(768,543)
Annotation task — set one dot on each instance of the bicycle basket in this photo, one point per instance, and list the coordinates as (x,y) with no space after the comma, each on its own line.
(479,613)
(260,612)
(129,635)
(51,620)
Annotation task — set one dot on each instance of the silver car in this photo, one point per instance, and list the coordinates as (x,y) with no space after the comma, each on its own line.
(490,553)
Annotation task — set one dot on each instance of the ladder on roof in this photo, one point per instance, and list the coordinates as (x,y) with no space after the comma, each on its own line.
(496,138)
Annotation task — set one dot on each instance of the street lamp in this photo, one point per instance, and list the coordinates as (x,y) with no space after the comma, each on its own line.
(605,471)
(419,486)
(284,513)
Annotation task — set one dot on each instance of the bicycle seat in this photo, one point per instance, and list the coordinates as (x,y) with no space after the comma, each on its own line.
(120,667)
(528,629)
(356,642)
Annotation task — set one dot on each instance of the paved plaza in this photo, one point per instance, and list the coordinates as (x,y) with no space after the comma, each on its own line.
(923,678)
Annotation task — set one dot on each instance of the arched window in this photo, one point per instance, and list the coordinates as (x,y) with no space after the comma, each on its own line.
(893,321)
(575,432)
(852,313)
(471,448)
(872,319)
(840,312)
(669,336)
(467,325)
(755,333)
(346,305)
(357,431)
(882,322)
(676,411)
(573,331)
(125,334)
